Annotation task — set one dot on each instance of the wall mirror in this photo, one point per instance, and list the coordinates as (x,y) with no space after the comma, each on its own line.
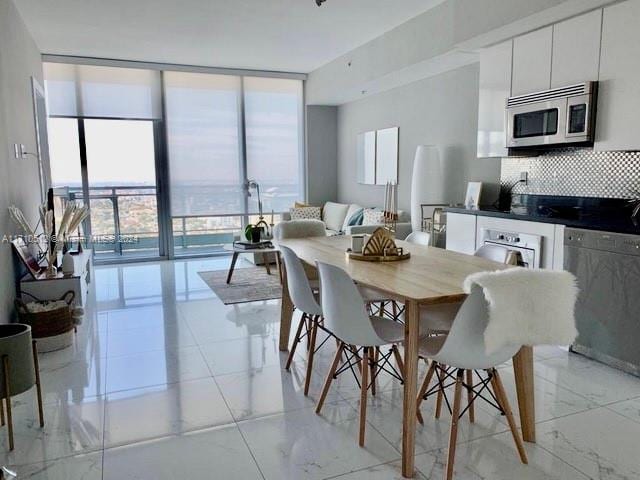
(377,156)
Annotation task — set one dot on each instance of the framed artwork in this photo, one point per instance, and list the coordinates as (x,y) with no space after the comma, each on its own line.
(29,261)
(377,156)
(472,198)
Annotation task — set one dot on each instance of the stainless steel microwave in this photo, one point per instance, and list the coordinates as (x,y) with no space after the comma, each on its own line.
(552,118)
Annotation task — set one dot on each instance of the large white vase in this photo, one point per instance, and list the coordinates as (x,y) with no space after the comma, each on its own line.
(427,182)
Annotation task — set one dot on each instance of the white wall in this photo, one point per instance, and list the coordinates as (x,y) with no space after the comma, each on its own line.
(441,110)
(322,152)
(19,183)
(442,38)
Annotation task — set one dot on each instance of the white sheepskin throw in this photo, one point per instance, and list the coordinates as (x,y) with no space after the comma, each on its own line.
(527,307)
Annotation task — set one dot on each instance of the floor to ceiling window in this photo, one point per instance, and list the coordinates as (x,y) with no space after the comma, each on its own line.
(205,159)
(104,124)
(164,158)
(224,131)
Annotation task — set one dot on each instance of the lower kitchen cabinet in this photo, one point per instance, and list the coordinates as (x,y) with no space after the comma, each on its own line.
(461,232)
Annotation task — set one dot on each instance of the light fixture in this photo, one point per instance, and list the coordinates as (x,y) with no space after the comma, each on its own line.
(320,2)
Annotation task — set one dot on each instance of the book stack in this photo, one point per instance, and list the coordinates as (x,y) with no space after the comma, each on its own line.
(247,245)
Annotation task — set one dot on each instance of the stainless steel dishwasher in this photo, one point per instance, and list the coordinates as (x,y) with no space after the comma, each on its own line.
(607,266)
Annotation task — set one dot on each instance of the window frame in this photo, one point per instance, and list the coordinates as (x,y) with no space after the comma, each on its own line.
(165,218)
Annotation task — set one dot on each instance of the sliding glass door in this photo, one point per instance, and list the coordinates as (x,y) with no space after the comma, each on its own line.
(112,165)
(121,180)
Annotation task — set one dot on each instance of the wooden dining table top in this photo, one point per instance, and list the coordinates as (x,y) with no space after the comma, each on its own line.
(430,276)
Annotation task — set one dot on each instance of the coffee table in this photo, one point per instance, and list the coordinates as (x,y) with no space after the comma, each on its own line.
(264,251)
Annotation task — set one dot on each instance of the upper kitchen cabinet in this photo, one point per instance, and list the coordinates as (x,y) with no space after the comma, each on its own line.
(619,89)
(532,62)
(495,88)
(576,50)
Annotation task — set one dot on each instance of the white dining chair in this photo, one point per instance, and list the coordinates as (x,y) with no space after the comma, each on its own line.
(385,306)
(437,319)
(303,299)
(463,350)
(496,253)
(419,238)
(359,335)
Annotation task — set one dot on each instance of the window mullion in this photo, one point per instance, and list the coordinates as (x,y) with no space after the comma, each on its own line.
(242,138)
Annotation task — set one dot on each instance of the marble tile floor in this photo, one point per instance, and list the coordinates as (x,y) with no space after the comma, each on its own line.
(166,382)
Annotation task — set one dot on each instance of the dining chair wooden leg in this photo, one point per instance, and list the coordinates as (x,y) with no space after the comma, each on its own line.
(364,387)
(440,390)
(470,403)
(373,363)
(296,341)
(501,395)
(7,392)
(36,366)
(332,371)
(399,361)
(423,390)
(453,434)
(314,334)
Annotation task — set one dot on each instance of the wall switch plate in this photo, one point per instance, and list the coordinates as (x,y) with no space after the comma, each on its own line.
(20,151)
(524,177)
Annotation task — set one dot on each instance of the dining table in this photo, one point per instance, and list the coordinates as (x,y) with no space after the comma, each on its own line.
(431,276)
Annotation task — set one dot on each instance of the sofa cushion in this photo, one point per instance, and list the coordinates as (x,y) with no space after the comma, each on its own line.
(372,217)
(333,215)
(353,216)
(305,213)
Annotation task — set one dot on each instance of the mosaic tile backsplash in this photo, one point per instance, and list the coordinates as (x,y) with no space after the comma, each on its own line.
(575,172)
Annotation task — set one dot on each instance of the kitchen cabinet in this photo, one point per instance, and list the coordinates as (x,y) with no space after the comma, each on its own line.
(495,88)
(461,232)
(619,89)
(532,62)
(576,49)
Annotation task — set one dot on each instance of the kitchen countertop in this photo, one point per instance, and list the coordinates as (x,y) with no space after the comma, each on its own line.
(610,215)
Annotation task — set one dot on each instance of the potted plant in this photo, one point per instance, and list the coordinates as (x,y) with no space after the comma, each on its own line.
(254,233)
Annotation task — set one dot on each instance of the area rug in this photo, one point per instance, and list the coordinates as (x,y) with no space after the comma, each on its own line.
(247,284)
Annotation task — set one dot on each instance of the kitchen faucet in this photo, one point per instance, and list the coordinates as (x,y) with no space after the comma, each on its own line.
(635,203)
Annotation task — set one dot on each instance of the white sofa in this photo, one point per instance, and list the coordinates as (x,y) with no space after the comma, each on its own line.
(336,218)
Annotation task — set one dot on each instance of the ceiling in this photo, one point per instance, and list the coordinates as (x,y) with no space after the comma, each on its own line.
(281,35)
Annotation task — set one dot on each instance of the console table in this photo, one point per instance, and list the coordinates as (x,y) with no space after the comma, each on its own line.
(52,288)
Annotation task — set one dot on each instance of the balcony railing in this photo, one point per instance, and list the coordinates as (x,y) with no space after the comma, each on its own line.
(124,220)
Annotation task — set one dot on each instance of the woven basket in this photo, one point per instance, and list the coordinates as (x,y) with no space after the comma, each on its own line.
(49,323)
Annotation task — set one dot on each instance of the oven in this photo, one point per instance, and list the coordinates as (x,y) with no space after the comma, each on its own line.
(527,245)
(552,118)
